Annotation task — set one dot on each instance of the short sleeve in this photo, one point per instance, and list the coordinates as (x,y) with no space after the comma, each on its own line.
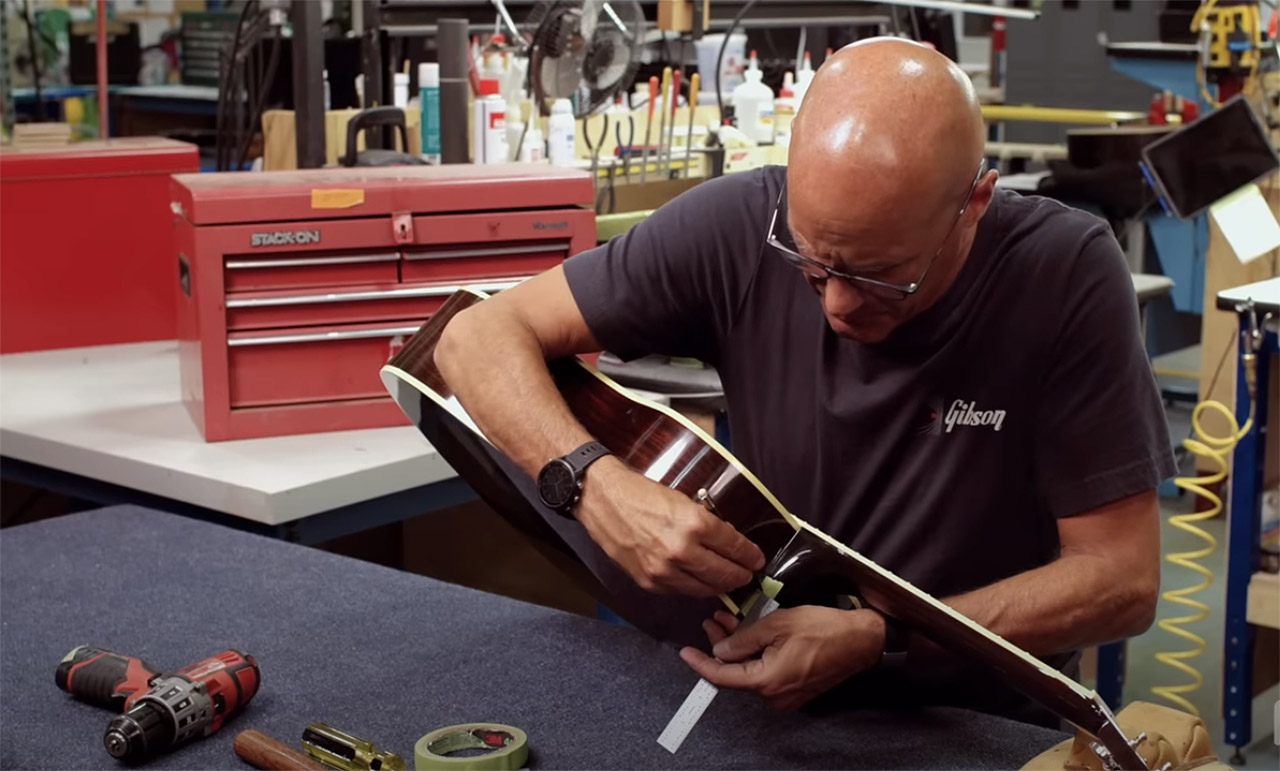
(675,281)
(1101,432)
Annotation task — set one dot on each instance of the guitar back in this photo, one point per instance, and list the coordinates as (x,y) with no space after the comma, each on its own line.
(653,440)
(649,438)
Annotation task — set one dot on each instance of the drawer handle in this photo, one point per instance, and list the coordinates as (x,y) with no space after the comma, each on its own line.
(382,294)
(319,337)
(488,251)
(302,262)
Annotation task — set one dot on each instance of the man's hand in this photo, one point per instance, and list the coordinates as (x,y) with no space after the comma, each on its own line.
(662,539)
(791,655)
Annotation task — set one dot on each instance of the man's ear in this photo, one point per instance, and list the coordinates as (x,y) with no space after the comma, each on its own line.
(982,195)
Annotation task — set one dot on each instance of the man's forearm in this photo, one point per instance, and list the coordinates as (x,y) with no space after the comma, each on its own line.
(1073,602)
(506,388)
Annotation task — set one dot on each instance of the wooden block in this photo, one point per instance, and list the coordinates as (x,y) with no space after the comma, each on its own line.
(1263,606)
(279,142)
(32,135)
(280,151)
(675,15)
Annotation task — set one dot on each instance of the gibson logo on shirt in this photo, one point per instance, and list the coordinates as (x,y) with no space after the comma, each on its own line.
(960,413)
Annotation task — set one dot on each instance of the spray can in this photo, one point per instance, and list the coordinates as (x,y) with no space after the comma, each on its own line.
(489,131)
(561,137)
(429,99)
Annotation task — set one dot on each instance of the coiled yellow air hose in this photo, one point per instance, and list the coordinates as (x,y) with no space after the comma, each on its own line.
(1216,449)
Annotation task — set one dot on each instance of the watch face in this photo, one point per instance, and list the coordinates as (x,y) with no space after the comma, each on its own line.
(556,484)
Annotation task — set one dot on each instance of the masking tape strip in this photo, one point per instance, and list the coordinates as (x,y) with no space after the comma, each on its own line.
(509,745)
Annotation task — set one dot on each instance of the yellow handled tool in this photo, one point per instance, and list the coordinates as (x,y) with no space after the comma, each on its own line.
(648,127)
(662,115)
(694,83)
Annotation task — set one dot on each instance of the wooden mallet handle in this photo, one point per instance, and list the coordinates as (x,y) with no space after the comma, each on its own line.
(261,751)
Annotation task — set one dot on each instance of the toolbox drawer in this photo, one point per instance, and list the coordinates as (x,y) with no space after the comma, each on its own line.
(268,310)
(456,263)
(246,273)
(312,364)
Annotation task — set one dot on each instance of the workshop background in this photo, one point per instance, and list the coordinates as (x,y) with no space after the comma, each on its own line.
(191,323)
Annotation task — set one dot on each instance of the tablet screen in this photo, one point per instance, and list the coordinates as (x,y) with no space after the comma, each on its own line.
(1210,158)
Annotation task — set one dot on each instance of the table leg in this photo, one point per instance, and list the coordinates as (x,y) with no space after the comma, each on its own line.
(1111,668)
(1243,532)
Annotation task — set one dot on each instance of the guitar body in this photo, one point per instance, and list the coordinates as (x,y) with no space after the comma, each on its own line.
(809,566)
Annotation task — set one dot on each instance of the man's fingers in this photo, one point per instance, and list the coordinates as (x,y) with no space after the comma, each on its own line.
(741,676)
(711,568)
(681,581)
(724,539)
(745,643)
(715,632)
(726,619)
(719,626)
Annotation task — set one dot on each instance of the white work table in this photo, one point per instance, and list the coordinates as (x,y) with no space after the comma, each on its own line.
(107,424)
(113,415)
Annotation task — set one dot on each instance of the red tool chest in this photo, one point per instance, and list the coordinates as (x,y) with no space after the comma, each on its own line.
(86,242)
(294,288)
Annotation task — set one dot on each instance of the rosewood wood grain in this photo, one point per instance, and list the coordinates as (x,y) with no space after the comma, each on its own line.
(812,567)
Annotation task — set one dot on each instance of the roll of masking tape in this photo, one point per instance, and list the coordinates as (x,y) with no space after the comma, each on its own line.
(472,747)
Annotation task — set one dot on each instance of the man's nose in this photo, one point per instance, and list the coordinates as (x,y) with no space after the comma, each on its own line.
(839,299)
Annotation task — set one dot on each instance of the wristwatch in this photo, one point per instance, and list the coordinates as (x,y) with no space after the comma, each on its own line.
(560,480)
(896,641)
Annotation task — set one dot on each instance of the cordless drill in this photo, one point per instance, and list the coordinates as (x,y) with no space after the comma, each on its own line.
(161,710)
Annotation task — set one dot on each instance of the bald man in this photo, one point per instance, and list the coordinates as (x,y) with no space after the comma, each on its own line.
(945,376)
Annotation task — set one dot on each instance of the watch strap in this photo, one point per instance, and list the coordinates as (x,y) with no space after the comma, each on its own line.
(897,638)
(584,456)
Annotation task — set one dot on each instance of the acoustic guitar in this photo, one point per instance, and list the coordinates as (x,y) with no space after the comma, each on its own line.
(806,566)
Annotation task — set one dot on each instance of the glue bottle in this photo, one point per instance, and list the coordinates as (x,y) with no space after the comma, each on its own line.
(489,130)
(561,139)
(804,76)
(531,151)
(753,104)
(784,111)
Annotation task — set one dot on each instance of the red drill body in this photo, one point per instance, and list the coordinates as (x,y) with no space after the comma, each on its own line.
(161,710)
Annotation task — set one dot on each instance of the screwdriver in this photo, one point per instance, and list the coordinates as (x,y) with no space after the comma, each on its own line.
(671,130)
(662,115)
(694,83)
(648,126)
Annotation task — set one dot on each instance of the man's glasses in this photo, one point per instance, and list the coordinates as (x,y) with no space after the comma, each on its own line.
(820,273)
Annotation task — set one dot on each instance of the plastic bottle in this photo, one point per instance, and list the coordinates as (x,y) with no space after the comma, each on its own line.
(429,100)
(514,129)
(731,138)
(561,136)
(753,105)
(804,76)
(400,91)
(532,150)
(489,130)
(328,101)
(784,111)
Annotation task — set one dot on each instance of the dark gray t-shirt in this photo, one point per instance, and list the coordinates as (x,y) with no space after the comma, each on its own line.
(945,453)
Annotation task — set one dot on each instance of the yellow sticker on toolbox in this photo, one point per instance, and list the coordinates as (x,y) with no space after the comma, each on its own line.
(336,198)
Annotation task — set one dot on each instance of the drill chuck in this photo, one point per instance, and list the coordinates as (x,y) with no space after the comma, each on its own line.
(140,733)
